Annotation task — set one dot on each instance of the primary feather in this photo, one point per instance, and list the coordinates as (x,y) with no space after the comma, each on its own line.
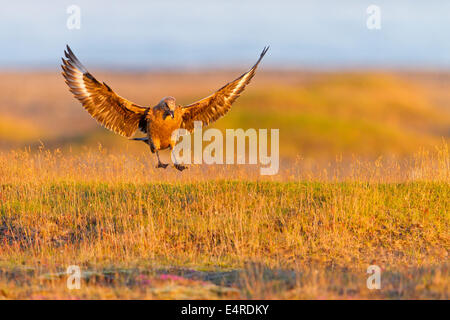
(215,106)
(103,104)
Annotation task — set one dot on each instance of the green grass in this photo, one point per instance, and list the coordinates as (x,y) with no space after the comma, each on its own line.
(270,234)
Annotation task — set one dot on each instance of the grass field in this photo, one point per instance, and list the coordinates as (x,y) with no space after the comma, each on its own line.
(364,180)
(139,234)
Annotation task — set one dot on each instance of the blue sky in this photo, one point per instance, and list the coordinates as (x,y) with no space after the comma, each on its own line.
(201,34)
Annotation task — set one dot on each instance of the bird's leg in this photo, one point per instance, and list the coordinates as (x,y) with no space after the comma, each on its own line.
(153,149)
(176,164)
(160,164)
(149,138)
(151,145)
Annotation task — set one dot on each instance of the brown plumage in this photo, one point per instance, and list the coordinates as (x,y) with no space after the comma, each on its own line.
(125,118)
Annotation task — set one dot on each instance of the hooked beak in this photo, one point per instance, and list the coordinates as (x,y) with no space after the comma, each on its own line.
(168,113)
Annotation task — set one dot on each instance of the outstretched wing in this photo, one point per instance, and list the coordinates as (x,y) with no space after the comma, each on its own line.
(219,103)
(103,104)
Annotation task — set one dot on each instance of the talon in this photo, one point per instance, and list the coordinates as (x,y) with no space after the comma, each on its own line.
(162,165)
(180,167)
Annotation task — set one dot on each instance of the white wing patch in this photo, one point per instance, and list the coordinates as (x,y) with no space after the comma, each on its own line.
(239,86)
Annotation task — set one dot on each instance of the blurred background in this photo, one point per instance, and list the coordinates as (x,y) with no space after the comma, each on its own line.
(332,85)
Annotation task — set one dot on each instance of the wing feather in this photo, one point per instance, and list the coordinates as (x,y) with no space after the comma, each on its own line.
(103,104)
(215,106)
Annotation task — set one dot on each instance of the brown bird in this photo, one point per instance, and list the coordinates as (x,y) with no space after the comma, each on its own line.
(125,117)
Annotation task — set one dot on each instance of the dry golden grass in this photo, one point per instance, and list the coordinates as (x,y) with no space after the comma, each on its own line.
(222,232)
(364,179)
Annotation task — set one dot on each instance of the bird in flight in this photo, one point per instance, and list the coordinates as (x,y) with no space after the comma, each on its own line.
(125,117)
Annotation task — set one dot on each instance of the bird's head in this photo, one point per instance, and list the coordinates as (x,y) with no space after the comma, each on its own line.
(168,105)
